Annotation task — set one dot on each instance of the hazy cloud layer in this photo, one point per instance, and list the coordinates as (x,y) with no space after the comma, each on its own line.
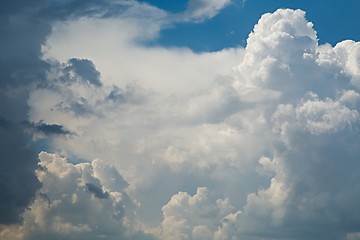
(254,143)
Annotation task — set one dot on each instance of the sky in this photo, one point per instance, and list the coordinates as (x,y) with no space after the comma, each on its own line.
(335,21)
(199,119)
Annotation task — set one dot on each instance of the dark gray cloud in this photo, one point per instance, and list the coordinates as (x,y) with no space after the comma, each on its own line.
(49,129)
(24,27)
(18,159)
(132,94)
(22,33)
(17,180)
(97,191)
(4,122)
(85,71)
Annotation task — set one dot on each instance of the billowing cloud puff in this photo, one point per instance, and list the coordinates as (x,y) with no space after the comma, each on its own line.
(344,56)
(196,217)
(78,201)
(314,153)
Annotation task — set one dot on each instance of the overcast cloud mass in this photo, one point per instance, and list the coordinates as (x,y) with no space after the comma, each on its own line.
(105,136)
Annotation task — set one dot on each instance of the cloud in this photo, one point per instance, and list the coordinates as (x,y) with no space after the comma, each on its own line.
(85,70)
(18,182)
(200,10)
(195,147)
(121,55)
(24,27)
(270,134)
(20,66)
(63,10)
(314,152)
(48,129)
(78,201)
(195,217)
(271,129)
(353,236)
(23,69)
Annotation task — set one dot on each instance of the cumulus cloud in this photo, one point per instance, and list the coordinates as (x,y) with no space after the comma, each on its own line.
(272,129)
(196,217)
(78,201)
(278,130)
(314,152)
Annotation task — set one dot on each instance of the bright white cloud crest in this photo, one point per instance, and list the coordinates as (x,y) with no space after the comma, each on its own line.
(77,201)
(253,143)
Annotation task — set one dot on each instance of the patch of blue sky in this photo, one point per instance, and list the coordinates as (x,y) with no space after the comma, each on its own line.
(334,21)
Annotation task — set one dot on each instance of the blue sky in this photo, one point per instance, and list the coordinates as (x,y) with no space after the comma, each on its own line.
(334,21)
(181,120)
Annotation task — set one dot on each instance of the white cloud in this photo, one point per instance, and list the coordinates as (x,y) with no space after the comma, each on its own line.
(277,135)
(183,143)
(344,55)
(281,45)
(78,201)
(200,10)
(195,217)
(121,59)
(316,118)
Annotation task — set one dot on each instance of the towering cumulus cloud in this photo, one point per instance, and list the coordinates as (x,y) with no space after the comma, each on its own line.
(252,143)
(315,121)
